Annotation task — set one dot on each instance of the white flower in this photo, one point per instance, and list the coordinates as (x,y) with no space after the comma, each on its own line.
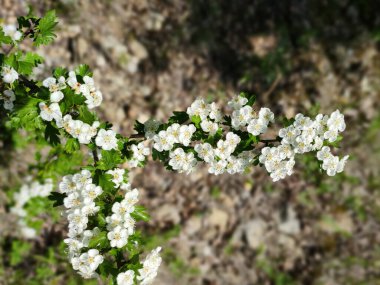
(140,151)
(125,187)
(217,167)
(77,221)
(324,153)
(241,117)
(91,259)
(173,131)
(117,175)
(215,113)
(55,88)
(93,97)
(209,127)
(126,278)
(181,161)
(67,185)
(266,116)
(150,267)
(90,209)
(114,221)
(73,200)
(11,31)
(199,108)
(48,113)
(331,135)
(185,134)
(163,142)
(257,127)
(336,122)
(9,74)
(205,152)
(73,82)
(90,192)
(237,102)
(82,179)
(118,237)
(106,139)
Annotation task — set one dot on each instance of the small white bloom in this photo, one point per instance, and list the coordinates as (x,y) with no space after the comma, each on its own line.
(117,175)
(106,139)
(9,74)
(51,112)
(118,237)
(55,88)
(209,127)
(186,133)
(237,102)
(126,278)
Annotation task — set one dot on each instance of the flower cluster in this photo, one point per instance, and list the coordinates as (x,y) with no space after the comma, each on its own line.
(120,224)
(140,152)
(330,163)
(8,74)
(302,136)
(147,274)
(80,130)
(8,97)
(28,191)
(80,204)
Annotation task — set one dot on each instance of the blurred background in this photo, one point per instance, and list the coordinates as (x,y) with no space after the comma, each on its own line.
(153,57)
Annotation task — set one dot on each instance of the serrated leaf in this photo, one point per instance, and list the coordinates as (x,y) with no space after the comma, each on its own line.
(139,128)
(27,62)
(106,183)
(52,134)
(45,29)
(110,159)
(71,145)
(57,198)
(83,70)
(60,71)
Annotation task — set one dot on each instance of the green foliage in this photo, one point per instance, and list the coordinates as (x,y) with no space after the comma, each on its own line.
(44,32)
(27,62)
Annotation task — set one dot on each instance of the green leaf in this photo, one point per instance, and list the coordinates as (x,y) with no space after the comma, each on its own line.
(57,198)
(197,121)
(72,145)
(83,70)
(106,183)
(85,115)
(60,71)
(45,29)
(52,134)
(139,128)
(110,159)
(99,241)
(179,118)
(140,214)
(27,62)
(26,115)
(19,250)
